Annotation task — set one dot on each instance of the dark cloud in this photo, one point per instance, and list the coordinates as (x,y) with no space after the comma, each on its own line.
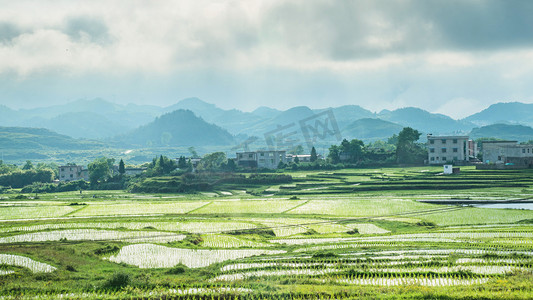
(92,28)
(342,30)
(481,25)
(8,32)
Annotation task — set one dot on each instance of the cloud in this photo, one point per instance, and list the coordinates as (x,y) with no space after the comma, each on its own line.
(91,29)
(379,54)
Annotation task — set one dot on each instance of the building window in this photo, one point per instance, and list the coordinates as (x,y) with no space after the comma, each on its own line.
(455,150)
(250,156)
(431,150)
(262,154)
(432,159)
(432,142)
(523,150)
(71,175)
(443,150)
(443,141)
(455,141)
(455,158)
(272,161)
(499,158)
(443,158)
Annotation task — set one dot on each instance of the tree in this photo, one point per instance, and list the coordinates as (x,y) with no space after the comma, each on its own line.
(100,169)
(407,151)
(163,165)
(314,157)
(121,167)
(296,159)
(28,165)
(182,163)
(212,161)
(193,152)
(333,154)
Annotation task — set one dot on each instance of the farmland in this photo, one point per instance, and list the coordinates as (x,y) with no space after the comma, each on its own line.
(364,233)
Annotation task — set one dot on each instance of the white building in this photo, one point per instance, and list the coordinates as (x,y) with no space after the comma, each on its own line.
(73,172)
(261,159)
(446,149)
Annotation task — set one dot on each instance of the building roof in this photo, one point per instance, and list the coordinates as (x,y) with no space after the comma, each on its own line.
(496,142)
(447,136)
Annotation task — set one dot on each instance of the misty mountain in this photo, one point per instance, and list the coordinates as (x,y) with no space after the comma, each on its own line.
(512,112)
(82,125)
(177,128)
(96,118)
(232,120)
(346,114)
(266,112)
(370,130)
(519,133)
(425,121)
(40,138)
(288,119)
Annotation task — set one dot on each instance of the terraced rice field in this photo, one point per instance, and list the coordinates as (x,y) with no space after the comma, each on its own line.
(329,242)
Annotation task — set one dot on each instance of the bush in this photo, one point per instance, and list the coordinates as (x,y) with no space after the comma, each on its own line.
(177,269)
(118,280)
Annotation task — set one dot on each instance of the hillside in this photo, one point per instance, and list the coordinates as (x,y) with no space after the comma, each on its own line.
(233,120)
(368,129)
(519,133)
(40,138)
(425,121)
(177,128)
(512,112)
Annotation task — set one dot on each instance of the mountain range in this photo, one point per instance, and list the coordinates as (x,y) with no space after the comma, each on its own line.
(195,122)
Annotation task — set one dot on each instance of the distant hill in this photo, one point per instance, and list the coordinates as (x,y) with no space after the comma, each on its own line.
(370,130)
(96,118)
(266,112)
(83,125)
(40,138)
(519,133)
(233,120)
(177,128)
(346,114)
(289,117)
(425,121)
(512,112)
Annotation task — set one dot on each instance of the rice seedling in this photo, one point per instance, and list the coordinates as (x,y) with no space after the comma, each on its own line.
(155,256)
(26,262)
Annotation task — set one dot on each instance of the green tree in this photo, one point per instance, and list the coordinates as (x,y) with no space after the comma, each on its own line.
(121,167)
(334,155)
(313,157)
(163,165)
(407,151)
(100,169)
(212,161)
(28,165)
(296,160)
(193,152)
(182,163)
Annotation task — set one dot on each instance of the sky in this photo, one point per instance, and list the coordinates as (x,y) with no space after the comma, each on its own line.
(445,56)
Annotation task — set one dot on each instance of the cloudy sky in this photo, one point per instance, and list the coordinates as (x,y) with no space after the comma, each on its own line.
(453,57)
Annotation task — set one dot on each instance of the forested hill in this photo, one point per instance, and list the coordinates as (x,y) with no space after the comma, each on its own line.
(177,128)
(40,138)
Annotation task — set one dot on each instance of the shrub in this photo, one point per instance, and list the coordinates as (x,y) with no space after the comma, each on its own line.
(177,269)
(118,280)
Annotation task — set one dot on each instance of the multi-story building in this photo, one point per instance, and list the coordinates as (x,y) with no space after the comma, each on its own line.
(450,149)
(261,159)
(73,172)
(507,152)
